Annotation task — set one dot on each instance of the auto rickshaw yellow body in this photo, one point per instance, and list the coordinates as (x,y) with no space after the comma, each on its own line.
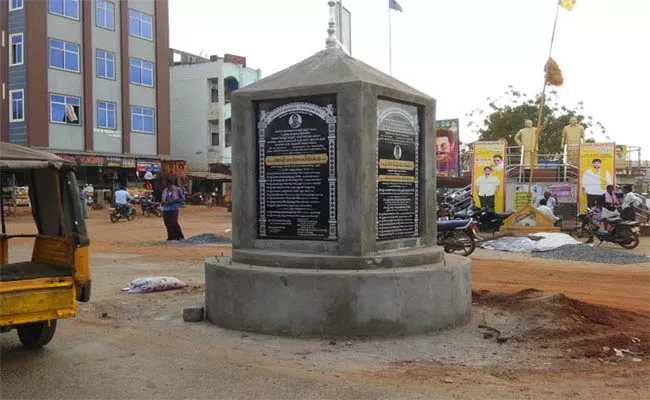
(35,294)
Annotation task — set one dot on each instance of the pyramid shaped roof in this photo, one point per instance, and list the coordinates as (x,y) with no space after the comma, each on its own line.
(329,66)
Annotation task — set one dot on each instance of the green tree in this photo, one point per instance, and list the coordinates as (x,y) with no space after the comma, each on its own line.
(505,116)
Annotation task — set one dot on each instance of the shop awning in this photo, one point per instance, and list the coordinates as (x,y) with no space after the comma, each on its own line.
(209,175)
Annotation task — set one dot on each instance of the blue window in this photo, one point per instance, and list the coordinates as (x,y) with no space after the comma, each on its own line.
(65,8)
(105,14)
(140,25)
(16,105)
(141,72)
(141,119)
(15,5)
(65,109)
(106,115)
(105,64)
(16,52)
(64,55)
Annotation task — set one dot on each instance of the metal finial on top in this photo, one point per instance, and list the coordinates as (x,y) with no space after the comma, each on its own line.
(331,42)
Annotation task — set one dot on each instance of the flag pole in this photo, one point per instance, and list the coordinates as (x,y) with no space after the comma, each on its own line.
(390,43)
(541,109)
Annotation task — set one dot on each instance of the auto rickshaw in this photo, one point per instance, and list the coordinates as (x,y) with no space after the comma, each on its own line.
(35,294)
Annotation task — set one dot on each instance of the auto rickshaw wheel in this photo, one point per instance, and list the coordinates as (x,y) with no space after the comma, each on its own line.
(36,334)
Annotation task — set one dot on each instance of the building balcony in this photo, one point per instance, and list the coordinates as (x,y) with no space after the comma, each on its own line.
(214,112)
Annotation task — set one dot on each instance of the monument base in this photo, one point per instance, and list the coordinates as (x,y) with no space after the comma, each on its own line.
(308,302)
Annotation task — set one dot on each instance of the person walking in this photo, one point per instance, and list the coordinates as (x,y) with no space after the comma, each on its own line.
(172,198)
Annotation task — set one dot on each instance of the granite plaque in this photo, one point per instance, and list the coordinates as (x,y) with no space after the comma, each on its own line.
(398,165)
(297,168)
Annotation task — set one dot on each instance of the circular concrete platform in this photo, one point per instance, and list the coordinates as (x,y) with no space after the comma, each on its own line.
(307,302)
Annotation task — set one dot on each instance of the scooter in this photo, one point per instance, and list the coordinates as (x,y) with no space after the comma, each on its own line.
(622,232)
(457,236)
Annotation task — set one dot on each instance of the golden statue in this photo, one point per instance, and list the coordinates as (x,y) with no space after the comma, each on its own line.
(572,135)
(527,138)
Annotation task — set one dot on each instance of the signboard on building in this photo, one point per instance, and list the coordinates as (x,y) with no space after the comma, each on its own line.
(91,161)
(174,168)
(447,148)
(233,59)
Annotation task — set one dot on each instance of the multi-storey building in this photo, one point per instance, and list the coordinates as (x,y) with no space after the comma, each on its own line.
(87,79)
(200,107)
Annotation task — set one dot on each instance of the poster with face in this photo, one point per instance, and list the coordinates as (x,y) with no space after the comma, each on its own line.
(597,171)
(488,175)
(447,148)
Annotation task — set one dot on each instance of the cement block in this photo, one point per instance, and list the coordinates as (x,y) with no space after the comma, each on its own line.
(193,314)
(307,302)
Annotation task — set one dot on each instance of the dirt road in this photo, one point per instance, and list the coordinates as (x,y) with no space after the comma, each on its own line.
(136,345)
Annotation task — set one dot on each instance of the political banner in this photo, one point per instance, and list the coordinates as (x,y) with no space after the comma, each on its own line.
(597,170)
(488,175)
(447,148)
(621,156)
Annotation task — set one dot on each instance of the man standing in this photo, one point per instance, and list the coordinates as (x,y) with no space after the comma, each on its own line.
(594,183)
(172,198)
(446,153)
(487,186)
(122,198)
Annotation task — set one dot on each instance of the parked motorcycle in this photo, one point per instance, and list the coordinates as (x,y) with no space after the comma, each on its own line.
(150,207)
(487,220)
(457,236)
(622,232)
(118,212)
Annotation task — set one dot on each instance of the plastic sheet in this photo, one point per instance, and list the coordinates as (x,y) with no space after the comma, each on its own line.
(537,242)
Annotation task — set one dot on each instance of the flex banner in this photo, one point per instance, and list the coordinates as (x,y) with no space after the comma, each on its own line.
(597,170)
(488,175)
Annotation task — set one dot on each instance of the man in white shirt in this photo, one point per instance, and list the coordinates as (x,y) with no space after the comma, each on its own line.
(594,184)
(487,186)
(630,200)
(122,198)
(548,200)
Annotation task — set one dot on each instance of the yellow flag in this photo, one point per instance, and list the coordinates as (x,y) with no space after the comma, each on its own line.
(568,4)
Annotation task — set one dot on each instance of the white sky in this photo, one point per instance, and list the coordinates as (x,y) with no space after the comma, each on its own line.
(457,51)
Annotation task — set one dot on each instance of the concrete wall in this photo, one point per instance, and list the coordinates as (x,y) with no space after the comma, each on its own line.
(66,136)
(17,74)
(366,303)
(107,89)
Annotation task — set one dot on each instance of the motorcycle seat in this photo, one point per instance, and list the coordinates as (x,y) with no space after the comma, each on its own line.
(453,224)
(505,215)
(626,222)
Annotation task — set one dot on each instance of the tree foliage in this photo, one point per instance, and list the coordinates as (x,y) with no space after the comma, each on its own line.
(505,116)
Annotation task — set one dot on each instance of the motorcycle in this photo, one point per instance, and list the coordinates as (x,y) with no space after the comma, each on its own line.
(150,207)
(487,220)
(118,212)
(457,236)
(622,232)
